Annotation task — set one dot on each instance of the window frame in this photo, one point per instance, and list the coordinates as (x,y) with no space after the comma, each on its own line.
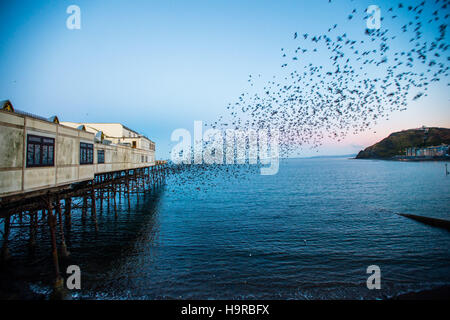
(41,145)
(102,152)
(84,151)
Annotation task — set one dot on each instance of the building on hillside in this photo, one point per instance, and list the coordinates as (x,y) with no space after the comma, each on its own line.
(434,151)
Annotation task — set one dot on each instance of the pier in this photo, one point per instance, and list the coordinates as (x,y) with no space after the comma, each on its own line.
(48,169)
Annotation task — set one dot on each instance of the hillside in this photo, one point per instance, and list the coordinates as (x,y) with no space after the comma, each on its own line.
(396,142)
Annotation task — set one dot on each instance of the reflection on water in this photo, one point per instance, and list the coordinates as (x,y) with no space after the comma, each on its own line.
(97,252)
(309,232)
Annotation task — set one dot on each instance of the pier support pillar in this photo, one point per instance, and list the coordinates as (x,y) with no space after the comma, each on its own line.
(101,198)
(68,212)
(114,199)
(93,207)
(84,209)
(128,189)
(63,250)
(108,195)
(58,285)
(137,187)
(33,229)
(5,255)
(153,177)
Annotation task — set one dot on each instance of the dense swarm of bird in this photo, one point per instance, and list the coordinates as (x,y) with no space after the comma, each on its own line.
(334,84)
(202,178)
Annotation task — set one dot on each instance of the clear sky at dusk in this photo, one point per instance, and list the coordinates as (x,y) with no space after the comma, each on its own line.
(156,66)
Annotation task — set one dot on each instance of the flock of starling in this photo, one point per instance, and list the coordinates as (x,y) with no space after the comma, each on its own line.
(335,84)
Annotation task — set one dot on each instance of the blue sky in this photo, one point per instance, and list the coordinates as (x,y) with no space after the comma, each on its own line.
(159,65)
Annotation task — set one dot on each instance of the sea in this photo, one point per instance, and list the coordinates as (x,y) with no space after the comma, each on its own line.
(309,232)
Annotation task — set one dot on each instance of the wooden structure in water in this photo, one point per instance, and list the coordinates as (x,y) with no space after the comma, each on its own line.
(434,222)
(46,167)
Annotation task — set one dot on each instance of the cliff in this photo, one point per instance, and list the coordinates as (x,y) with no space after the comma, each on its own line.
(396,142)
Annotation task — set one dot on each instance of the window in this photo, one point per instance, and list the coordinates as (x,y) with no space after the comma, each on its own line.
(100,156)
(134,144)
(40,151)
(86,153)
